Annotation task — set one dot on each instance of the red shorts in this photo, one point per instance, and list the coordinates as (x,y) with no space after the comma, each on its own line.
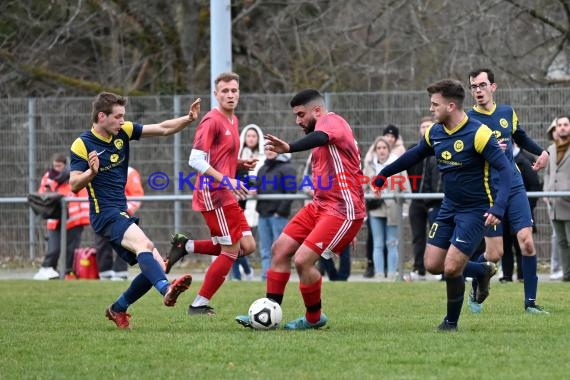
(227,224)
(321,232)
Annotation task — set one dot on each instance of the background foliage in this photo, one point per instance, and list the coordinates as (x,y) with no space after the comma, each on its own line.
(78,47)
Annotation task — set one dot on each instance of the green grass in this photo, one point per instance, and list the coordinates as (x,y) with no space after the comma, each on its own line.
(57,329)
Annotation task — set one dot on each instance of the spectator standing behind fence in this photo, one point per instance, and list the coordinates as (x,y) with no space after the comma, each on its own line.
(555,268)
(251,147)
(557,178)
(276,176)
(531,183)
(56,179)
(110,265)
(383,212)
(392,135)
(423,211)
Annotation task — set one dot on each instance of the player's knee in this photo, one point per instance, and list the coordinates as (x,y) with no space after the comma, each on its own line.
(433,266)
(148,245)
(494,255)
(247,248)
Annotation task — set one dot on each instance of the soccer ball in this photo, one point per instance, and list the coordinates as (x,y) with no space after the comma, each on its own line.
(265,314)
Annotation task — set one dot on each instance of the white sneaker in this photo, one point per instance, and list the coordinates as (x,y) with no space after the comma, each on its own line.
(415,276)
(46,274)
(119,276)
(249,277)
(556,275)
(106,275)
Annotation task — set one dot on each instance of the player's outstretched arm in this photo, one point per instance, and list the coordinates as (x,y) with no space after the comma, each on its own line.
(310,141)
(172,126)
(528,144)
(409,158)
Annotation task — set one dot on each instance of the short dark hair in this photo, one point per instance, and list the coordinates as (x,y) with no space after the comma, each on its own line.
(450,89)
(59,157)
(104,102)
(489,72)
(305,97)
(226,77)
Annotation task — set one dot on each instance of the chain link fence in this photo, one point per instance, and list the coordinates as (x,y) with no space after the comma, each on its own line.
(35,129)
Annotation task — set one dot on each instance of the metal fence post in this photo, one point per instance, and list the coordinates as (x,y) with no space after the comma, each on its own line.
(63,239)
(177,146)
(31,172)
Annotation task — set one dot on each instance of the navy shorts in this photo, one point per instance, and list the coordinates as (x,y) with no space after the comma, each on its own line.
(458,225)
(115,224)
(518,213)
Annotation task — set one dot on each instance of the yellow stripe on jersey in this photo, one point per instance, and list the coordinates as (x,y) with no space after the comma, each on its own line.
(482,137)
(78,147)
(426,134)
(486,172)
(515,122)
(95,201)
(457,127)
(128,128)
(484,111)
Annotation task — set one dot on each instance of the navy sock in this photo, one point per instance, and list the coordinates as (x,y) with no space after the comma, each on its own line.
(530,279)
(455,292)
(475,283)
(138,288)
(473,269)
(153,271)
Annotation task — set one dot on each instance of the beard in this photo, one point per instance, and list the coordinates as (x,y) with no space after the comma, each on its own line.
(311,126)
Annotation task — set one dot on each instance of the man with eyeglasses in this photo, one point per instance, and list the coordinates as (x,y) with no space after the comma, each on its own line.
(503,121)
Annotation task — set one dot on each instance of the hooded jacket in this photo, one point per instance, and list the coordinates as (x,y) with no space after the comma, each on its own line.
(277,176)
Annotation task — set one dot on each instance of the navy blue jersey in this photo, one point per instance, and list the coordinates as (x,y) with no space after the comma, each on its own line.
(463,160)
(107,189)
(504,123)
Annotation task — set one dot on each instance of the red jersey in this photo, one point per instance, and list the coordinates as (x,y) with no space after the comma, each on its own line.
(336,170)
(219,138)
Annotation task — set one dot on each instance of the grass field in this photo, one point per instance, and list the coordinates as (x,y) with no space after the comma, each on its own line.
(57,330)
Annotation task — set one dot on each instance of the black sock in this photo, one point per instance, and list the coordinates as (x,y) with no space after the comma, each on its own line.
(455,293)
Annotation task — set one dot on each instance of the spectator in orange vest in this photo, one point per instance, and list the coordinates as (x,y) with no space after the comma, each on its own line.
(56,179)
(111,266)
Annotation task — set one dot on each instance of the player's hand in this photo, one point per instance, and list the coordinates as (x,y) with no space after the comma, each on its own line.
(275,144)
(377,193)
(541,161)
(248,164)
(194,111)
(491,220)
(238,189)
(503,146)
(93,160)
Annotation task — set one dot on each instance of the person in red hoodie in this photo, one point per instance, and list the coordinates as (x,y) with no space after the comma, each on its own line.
(56,180)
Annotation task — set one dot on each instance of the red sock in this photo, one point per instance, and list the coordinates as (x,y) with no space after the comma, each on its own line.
(206,247)
(276,283)
(216,275)
(312,297)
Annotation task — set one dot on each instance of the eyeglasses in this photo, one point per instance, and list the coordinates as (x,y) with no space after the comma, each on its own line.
(481,86)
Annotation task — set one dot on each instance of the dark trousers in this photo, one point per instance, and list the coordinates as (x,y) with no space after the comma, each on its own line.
(343,272)
(419,224)
(510,241)
(54,247)
(107,258)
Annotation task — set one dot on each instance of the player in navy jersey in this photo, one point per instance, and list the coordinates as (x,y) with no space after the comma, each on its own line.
(100,161)
(464,149)
(503,121)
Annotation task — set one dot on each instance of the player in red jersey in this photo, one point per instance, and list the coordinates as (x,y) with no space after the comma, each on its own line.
(215,157)
(331,221)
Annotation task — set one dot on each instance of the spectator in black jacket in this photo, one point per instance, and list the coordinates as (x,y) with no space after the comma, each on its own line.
(531,183)
(423,212)
(276,176)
